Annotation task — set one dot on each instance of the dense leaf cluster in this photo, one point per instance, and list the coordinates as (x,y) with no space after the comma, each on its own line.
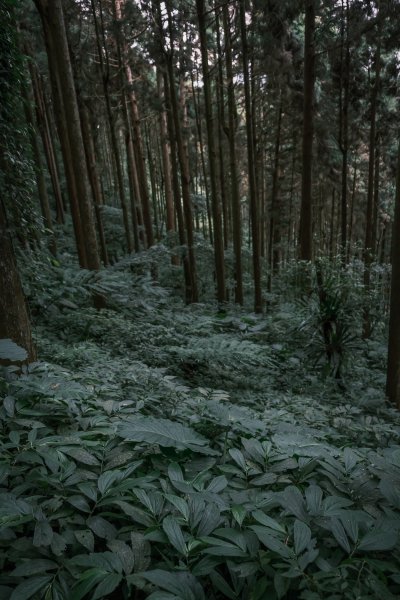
(127,472)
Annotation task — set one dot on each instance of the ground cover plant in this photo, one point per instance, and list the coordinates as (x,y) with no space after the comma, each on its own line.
(169,452)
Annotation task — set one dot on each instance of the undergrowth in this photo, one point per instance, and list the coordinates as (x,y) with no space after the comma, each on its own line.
(169,452)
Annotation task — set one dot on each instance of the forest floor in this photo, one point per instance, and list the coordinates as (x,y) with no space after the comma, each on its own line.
(156,439)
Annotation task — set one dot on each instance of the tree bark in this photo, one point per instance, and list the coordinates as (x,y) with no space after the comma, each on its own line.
(305,237)
(393,368)
(369,228)
(14,317)
(52,14)
(255,227)
(212,158)
(231,132)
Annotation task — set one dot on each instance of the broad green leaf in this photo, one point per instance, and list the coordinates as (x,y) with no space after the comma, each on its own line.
(164,433)
(378,540)
(293,502)
(87,581)
(180,583)
(210,520)
(107,586)
(350,524)
(239,513)
(390,491)
(232,535)
(137,514)
(86,538)
(314,499)
(80,455)
(34,566)
(124,553)
(106,480)
(271,541)
(29,587)
(350,459)
(174,534)
(333,505)
(43,534)
(141,551)
(302,536)
(89,489)
(175,472)
(101,527)
(281,585)
(217,484)
(254,448)
(9,350)
(265,479)
(238,457)
(222,548)
(340,535)
(222,586)
(264,519)
(79,502)
(9,405)
(180,504)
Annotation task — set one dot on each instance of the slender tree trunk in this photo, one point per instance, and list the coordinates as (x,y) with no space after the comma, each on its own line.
(305,237)
(220,126)
(345,132)
(275,226)
(40,179)
(184,166)
(52,15)
(212,159)
(63,134)
(94,179)
(137,135)
(369,236)
(231,132)
(44,128)
(393,368)
(351,218)
(203,162)
(177,192)
(105,74)
(165,150)
(255,228)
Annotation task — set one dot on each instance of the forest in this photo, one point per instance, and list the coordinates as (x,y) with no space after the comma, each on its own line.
(199,299)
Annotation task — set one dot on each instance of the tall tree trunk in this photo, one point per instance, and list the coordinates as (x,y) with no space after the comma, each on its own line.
(369,228)
(231,132)
(255,227)
(63,134)
(344,130)
(184,165)
(275,225)
(220,127)
(393,368)
(165,150)
(177,192)
(203,162)
(137,135)
(52,14)
(212,158)
(94,178)
(44,129)
(14,317)
(105,74)
(305,237)
(40,179)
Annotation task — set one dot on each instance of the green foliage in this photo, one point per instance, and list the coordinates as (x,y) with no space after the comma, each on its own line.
(127,471)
